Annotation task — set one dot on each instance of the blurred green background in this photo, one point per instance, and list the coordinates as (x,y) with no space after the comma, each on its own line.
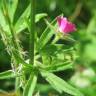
(83,14)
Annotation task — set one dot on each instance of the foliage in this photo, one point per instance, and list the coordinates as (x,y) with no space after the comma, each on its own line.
(53,53)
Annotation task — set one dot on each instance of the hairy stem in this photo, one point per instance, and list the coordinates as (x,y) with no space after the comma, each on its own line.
(15,44)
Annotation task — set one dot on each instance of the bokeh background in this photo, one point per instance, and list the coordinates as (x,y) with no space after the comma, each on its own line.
(83,14)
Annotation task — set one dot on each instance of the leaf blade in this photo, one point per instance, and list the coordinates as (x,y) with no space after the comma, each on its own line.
(46,36)
(61,85)
(7,74)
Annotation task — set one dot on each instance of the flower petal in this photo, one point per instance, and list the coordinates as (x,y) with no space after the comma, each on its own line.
(65,26)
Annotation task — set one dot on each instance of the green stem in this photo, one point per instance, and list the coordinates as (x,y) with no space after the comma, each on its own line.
(32,34)
(14,43)
(17,86)
(55,39)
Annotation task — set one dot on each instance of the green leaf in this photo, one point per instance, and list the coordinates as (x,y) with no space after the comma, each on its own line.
(7,74)
(30,86)
(56,54)
(53,49)
(60,85)
(58,66)
(3,23)
(12,5)
(20,24)
(37,19)
(46,36)
(40,16)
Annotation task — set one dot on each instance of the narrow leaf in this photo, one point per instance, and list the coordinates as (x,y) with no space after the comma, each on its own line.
(40,16)
(46,36)
(20,24)
(7,74)
(58,67)
(53,49)
(60,85)
(12,8)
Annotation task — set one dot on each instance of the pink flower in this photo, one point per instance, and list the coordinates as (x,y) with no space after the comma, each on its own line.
(64,25)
